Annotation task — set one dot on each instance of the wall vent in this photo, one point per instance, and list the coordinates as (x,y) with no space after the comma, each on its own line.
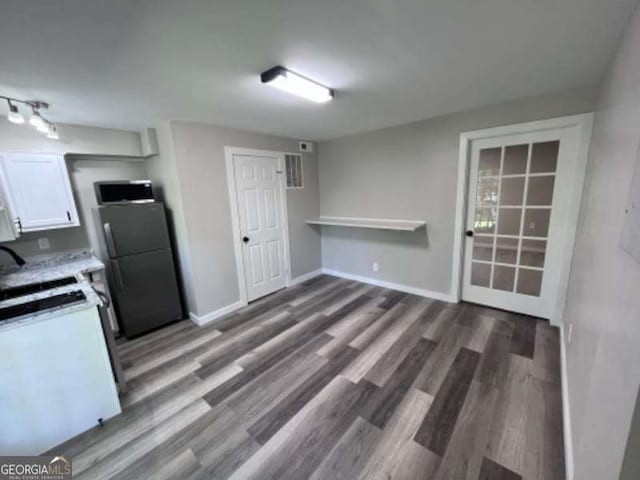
(294,171)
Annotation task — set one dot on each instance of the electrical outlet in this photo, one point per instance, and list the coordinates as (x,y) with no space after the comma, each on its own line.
(43,243)
(569,333)
(375,266)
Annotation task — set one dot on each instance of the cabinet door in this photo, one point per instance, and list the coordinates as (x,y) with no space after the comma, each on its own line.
(39,191)
(8,229)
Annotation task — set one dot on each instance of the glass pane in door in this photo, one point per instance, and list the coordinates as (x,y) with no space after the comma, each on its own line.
(489,162)
(507,250)
(483,248)
(485,220)
(503,278)
(514,193)
(480,274)
(509,223)
(529,281)
(536,222)
(515,159)
(540,190)
(532,253)
(544,157)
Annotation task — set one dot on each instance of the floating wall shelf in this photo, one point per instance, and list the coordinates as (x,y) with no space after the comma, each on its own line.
(376,223)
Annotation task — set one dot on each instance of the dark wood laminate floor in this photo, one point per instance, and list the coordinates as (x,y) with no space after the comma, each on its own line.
(333,379)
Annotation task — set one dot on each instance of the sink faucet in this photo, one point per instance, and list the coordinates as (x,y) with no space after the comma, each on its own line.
(18,259)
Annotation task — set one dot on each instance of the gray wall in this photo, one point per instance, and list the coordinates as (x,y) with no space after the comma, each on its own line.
(410,172)
(199,156)
(163,171)
(603,302)
(631,463)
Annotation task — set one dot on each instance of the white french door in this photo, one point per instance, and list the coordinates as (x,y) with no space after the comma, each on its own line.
(260,200)
(519,196)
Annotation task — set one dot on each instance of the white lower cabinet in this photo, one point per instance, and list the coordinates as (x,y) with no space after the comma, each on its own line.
(38,191)
(56,381)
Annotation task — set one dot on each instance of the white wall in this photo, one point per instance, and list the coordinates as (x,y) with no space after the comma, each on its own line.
(410,172)
(104,155)
(73,139)
(83,173)
(603,303)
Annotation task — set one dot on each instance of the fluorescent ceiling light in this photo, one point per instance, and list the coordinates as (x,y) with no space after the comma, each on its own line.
(291,82)
(14,115)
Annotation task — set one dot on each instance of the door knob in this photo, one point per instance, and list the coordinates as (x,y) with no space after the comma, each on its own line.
(469,233)
(245,239)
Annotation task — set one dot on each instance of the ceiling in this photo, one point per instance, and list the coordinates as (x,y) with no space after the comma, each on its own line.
(133,63)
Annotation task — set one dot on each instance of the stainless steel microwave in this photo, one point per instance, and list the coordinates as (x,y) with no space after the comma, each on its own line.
(124,191)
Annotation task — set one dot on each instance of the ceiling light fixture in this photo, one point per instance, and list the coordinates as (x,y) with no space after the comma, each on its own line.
(291,82)
(14,115)
(37,120)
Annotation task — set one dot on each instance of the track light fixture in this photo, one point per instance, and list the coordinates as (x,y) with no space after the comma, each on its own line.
(37,120)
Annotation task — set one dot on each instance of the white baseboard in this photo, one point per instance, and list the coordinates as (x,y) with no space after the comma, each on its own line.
(305,277)
(566,410)
(221,312)
(445,297)
(211,316)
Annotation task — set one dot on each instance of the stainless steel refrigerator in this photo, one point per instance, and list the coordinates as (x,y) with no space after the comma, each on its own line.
(142,275)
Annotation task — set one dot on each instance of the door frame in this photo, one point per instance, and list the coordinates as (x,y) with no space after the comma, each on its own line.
(583,123)
(229,153)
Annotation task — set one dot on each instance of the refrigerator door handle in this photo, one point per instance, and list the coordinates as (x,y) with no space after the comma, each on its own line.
(111,244)
(118,274)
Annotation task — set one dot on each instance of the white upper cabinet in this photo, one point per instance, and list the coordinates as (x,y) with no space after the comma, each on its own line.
(8,226)
(38,191)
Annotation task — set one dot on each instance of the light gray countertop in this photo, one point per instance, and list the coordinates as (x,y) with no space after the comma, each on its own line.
(43,268)
(51,267)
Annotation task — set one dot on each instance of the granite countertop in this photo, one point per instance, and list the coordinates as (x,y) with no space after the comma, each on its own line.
(43,268)
(50,267)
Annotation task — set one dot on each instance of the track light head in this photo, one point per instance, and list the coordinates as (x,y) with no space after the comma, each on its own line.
(53,132)
(37,121)
(14,115)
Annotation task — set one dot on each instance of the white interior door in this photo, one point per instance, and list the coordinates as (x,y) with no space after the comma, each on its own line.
(260,196)
(520,187)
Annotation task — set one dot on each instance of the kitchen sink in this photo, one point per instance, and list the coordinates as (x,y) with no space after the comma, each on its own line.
(35,288)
